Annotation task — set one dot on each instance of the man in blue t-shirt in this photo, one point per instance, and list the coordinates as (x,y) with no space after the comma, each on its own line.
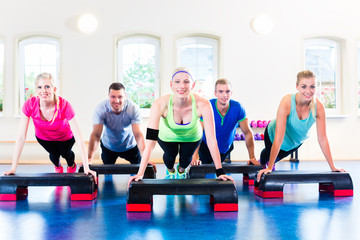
(228,114)
(122,135)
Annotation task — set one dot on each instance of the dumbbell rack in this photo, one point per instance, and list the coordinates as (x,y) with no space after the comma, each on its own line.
(258,129)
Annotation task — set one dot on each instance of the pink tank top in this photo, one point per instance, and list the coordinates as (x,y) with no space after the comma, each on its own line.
(57,130)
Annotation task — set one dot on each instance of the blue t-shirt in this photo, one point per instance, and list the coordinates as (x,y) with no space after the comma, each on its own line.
(118,135)
(225,126)
(296,130)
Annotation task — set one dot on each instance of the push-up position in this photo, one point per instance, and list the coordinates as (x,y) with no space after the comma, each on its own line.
(295,116)
(174,123)
(56,127)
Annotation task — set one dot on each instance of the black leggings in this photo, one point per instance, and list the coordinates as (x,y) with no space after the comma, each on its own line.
(109,157)
(265,153)
(205,155)
(171,150)
(59,148)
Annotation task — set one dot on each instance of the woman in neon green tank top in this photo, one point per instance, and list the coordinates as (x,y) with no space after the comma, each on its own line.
(177,116)
(290,131)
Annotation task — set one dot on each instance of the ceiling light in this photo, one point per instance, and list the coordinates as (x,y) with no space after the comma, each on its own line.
(87,23)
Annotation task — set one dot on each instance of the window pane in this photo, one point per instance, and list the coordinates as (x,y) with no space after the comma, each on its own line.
(29,83)
(322,59)
(32,54)
(48,55)
(188,55)
(130,53)
(139,70)
(147,52)
(39,55)
(1,76)
(200,55)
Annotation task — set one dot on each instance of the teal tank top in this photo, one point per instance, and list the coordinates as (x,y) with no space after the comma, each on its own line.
(296,130)
(170,131)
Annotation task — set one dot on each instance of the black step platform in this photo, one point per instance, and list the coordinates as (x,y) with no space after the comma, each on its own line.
(222,193)
(121,169)
(249,171)
(271,185)
(82,186)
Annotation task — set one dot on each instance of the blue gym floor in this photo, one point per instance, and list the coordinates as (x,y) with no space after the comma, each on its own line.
(303,213)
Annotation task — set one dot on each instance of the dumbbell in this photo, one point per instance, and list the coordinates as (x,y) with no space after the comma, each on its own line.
(253,124)
(260,124)
(257,136)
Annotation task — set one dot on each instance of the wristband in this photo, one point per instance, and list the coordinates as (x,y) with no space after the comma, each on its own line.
(220,171)
(152,134)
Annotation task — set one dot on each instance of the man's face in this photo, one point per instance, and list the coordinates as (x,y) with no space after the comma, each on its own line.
(223,93)
(117,99)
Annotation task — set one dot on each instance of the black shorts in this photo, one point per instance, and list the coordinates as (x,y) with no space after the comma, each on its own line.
(109,157)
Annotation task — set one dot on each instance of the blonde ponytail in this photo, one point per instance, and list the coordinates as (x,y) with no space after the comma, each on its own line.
(313,107)
(57,102)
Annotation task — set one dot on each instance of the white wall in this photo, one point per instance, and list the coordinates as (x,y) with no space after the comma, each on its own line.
(262,68)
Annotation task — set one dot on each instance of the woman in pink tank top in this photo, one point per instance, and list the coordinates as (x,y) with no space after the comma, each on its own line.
(56,127)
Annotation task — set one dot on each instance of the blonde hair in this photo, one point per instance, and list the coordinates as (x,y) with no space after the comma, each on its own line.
(184,70)
(307,74)
(48,76)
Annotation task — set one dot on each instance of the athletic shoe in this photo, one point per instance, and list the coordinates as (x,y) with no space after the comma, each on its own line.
(180,175)
(170,175)
(227,160)
(59,169)
(71,169)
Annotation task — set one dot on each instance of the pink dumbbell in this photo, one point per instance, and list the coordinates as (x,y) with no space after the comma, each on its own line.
(265,123)
(253,124)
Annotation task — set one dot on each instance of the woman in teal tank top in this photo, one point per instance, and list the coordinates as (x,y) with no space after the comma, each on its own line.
(174,123)
(295,116)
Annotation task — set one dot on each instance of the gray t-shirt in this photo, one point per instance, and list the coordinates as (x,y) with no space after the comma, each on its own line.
(117,135)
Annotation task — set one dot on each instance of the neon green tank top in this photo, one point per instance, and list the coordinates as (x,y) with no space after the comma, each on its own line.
(170,131)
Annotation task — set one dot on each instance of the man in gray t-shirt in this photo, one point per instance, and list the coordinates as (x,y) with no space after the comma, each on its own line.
(122,136)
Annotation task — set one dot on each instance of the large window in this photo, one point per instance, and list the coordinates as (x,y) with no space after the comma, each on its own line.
(37,55)
(138,68)
(322,56)
(200,54)
(1,76)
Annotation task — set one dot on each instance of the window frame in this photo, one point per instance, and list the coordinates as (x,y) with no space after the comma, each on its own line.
(212,41)
(22,43)
(337,44)
(139,38)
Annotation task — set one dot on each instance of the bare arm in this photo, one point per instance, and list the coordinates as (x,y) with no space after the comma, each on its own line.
(156,111)
(281,119)
(94,140)
(195,159)
(209,126)
(139,137)
(249,138)
(19,144)
(80,142)
(322,137)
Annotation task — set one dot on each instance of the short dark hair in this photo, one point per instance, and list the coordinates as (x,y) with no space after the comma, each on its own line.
(222,81)
(116,86)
